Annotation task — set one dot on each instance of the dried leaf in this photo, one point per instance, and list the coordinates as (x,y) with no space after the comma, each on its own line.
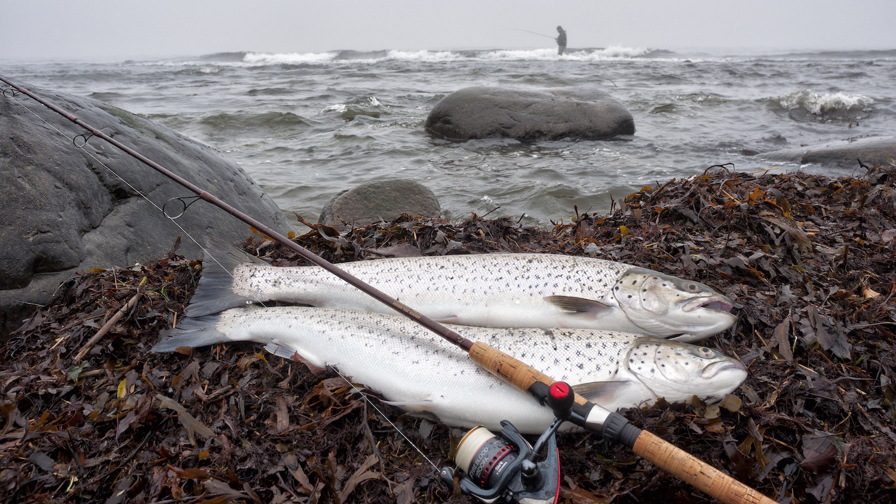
(282,414)
(782,335)
(216,487)
(869,294)
(361,475)
(820,451)
(189,422)
(731,403)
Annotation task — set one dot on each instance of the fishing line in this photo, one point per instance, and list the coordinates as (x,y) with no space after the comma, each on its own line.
(83,144)
(533,33)
(358,390)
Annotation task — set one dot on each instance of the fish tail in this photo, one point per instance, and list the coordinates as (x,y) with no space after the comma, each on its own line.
(193,333)
(215,290)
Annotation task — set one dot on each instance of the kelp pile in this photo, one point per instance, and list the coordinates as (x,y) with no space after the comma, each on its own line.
(809,261)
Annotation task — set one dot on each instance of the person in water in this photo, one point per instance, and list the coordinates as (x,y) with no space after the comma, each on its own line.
(561,40)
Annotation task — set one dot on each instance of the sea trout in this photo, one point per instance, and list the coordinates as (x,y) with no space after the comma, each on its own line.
(488,290)
(420,372)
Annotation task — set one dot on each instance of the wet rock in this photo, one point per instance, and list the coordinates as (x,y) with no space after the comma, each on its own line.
(841,154)
(529,115)
(378,201)
(64,211)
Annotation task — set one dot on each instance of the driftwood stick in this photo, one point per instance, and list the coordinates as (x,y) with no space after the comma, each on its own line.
(108,325)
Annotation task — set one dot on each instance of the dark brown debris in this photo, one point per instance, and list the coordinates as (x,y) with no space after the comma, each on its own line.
(809,261)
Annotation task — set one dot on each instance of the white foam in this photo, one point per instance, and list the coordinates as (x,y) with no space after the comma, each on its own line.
(821,104)
(338,108)
(288,58)
(332,57)
(432,56)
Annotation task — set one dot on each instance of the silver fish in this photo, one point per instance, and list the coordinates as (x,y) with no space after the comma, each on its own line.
(420,372)
(489,290)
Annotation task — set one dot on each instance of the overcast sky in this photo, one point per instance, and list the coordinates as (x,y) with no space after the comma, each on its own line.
(109,29)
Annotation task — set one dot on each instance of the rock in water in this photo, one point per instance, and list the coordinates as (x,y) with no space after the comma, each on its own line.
(528,116)
(66,212)
(841,154)
(379,201)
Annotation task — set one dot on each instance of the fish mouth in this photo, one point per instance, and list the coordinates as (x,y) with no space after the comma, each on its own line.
(714,370)
(709,303)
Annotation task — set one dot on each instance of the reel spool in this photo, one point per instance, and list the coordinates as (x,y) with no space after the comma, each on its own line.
(484,456)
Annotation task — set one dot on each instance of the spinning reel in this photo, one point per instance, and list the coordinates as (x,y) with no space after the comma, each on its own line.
(505,469)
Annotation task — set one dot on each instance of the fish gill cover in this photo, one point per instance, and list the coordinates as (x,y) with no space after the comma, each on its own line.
(807,259)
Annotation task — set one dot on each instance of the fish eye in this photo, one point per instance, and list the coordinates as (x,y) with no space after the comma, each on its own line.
(692,287)
(705,352)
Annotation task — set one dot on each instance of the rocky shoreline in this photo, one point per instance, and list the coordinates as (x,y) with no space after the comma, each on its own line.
(807,259)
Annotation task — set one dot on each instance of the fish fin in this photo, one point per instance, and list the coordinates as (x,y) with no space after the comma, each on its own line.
(415,406)
(280,350)
(450,319)
(603,392)
(577,304)
(192,333)
(685,338)
(215,290)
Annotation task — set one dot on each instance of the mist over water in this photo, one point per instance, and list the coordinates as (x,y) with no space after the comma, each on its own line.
(307,126)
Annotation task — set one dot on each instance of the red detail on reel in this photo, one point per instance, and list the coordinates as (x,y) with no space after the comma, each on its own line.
(560,390)
(497,457)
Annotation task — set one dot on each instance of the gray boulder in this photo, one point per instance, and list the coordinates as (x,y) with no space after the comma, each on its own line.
(528,116)
(63,211)
(379,201)
(841,154)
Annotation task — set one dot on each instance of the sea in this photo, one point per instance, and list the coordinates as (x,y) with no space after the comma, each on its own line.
(306,126)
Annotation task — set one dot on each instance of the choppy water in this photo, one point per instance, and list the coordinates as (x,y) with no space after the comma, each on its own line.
(306,126)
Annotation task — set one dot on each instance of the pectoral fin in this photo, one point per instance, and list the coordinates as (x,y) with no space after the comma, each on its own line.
(579,305)
(608,392)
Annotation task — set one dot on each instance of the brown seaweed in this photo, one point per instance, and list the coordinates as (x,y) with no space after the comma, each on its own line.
(808,259)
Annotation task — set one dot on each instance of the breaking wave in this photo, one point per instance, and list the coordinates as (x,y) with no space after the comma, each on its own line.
(249,58)
(807,104)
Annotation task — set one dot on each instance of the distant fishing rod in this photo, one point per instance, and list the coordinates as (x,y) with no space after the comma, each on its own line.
(534,33)
(564,402)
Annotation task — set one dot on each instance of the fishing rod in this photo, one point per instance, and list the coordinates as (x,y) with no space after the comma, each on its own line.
(534,33)
(566,404)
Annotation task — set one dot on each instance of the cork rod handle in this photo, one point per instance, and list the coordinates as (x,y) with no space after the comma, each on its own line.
(695,472)
(511,370)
